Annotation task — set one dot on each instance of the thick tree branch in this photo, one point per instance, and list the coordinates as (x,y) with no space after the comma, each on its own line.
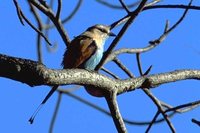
(20,70)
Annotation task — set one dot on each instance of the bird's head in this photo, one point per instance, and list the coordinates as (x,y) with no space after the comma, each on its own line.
(102,31)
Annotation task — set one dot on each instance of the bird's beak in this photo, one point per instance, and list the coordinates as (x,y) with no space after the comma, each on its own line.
(111,34)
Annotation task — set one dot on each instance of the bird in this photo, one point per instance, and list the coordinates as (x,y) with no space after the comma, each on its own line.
(85,52)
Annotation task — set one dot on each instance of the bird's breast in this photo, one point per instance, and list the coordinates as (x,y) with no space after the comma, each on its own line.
(94,60)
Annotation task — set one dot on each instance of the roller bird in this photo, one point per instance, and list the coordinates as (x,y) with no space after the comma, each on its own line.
(85,52)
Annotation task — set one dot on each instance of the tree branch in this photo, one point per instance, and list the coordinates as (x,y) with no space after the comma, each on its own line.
(116,115)
(40,27)
(48,12)
(20,70)
(67,18)
(133,16)
(53,120)
(22,16)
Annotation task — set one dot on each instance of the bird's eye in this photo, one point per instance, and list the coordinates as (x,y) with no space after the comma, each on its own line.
(103,30)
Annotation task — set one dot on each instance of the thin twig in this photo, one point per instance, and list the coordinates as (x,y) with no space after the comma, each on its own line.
(105,3)
(159,106)
(48,12)
(127,17)
(139,63)
(148,70)
(171,7)
(40,27)
(46,30)
(110,73)
(76,8)
(196,122)
(140,66)
(152,3)
(153,6)
(29,23)
(152,122)
(181,18)
(168,30)
(182,109)
(163,36)
(124,6)
(59,9)
(123,67)
(18,12)
(188,106)
(53,120)
(115,53)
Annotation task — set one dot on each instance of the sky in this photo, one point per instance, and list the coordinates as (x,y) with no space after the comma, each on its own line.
(180,50)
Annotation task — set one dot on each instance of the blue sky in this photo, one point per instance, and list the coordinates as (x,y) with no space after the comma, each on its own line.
(179,51)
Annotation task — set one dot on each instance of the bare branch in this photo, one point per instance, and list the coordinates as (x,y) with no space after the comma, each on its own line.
(196,122)
(152,44)
(76,8)
(139,63)
(18,12)
(48,12)
(152,3)
(148,70)
(105,3)
(188,106)
(30,24)
(159,106)
(40,27)
(20,70)
(115,53)
(124,6)
(109,72)
(59,9)
(55,112)
(133,15)
(154,99)
(172,7)
(181,19)
(127,17)
(123,67)
(114,109)
(153,6)
(46,30)
(44,3)
(152,122)
(163,36)
(93,105)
